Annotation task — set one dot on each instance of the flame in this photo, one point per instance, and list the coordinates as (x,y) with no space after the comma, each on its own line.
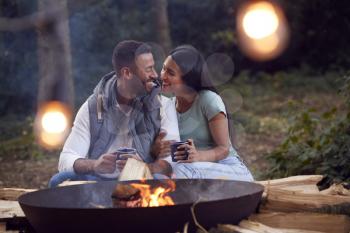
(157,196)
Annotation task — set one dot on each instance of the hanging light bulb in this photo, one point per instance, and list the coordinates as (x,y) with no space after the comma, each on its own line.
(262,30)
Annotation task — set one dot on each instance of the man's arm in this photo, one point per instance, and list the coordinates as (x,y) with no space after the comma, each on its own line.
(106,163)
(74,154)
(77,144)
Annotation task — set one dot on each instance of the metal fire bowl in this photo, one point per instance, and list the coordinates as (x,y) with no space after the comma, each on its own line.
(76,208)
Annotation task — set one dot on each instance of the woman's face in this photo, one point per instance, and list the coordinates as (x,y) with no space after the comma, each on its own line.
(172,77)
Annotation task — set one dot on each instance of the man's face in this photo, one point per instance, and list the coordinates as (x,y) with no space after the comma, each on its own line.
(144,72)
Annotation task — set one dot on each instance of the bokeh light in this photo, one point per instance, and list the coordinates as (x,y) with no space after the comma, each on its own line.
(260,20)
(52,124)
(262,30)
(220,67)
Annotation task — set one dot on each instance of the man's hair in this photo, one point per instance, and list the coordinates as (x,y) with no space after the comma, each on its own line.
(125,53)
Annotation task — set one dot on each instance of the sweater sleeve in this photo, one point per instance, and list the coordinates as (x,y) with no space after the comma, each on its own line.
(78,141)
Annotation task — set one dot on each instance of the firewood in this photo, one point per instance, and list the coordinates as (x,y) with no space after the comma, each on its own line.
(125,192)
(279,199)
(293,181)
(246,226)
(305,221)
(76,182)
(336,189)
(135,170)
(261,228)
(227,228)
(9,209)
(12,194)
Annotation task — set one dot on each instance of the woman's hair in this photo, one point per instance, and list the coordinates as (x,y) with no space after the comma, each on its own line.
(196,75)
(194,69)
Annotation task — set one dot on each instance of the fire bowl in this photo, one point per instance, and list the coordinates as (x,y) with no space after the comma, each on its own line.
(89,207)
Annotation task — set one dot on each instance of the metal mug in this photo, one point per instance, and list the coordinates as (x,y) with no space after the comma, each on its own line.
(123,152)
(173,148)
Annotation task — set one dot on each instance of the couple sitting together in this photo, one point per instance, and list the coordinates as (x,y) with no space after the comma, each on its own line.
(127,109)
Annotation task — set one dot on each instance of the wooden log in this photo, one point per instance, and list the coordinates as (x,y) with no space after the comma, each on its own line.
(293,181)
(306,221)
(227,228)
(12,194)
(9,209)
(76,182)
(135,170)
(246,226)
(278,199)
(336,189)
(261,228)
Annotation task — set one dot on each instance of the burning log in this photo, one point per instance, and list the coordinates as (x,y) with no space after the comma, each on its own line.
(125,195)
(125,192)
(142,195)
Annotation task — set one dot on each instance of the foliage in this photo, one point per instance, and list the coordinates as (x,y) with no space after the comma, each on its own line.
(316,143)
(18,141)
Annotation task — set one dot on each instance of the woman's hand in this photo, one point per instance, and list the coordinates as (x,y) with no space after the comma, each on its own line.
(193,154)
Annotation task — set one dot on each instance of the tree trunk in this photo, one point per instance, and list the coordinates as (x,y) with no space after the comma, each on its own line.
(162,24)
(54,53)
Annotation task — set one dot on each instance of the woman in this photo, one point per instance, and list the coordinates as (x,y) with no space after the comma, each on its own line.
(202,120)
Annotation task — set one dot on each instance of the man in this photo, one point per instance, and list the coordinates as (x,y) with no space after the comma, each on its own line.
(125,110)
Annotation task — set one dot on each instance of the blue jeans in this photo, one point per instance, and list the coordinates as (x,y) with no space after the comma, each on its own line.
(60,177)
(230,168)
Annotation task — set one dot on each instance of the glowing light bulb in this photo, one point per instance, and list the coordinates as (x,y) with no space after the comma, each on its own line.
(52,124)
(260,20)
(262,30)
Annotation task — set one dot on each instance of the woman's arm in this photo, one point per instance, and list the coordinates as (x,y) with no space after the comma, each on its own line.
(218,126)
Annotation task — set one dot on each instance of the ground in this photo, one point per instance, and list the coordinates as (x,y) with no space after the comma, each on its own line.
(261,124)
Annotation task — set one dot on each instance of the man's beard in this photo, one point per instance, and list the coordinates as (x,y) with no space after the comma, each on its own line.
(137,87)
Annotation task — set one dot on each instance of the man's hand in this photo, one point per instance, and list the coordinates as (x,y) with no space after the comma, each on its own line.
(121,162)
(106,163)
(160,147)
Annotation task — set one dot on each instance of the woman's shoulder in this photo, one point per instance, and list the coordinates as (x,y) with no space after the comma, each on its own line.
(209,96)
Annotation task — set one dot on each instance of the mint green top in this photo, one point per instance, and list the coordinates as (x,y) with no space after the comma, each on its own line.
(194,123)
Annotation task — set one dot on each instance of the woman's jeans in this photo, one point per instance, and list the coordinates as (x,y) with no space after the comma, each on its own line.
(230,168)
